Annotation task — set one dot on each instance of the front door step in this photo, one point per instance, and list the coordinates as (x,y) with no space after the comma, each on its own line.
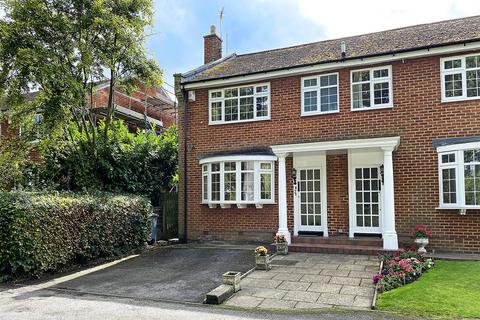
(344,245)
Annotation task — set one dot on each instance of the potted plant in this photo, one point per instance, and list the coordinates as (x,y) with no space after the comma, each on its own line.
(262,261)
(281,242)
(421,237)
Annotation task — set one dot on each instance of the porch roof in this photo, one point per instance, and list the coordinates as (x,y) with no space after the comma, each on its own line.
(383,142)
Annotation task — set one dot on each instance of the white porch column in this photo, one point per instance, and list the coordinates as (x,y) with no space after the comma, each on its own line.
(282,198)
(390,240)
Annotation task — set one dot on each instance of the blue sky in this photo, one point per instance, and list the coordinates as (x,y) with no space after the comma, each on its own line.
(254,25)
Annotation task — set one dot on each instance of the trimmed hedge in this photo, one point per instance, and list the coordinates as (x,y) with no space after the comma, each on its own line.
(42,232)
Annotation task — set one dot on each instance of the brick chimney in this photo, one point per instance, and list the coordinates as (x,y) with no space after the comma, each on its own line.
(212,46)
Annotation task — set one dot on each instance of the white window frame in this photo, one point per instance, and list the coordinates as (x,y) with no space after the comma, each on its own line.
(459,166)
(462,70)
(372,81)
(257,160)
(255,96)
(318,88)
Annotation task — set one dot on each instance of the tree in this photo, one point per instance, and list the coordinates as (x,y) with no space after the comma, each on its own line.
(63,48)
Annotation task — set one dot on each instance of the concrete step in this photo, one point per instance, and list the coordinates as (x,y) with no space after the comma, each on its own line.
(339,240)
(335,248)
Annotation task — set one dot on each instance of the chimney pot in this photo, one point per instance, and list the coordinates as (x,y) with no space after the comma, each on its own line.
(212,29)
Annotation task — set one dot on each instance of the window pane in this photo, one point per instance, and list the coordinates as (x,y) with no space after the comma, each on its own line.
(246,108)
(231,109)
(361,95)
(215,186)
(453,85)
(246,91)
(216,112)
(310,101)
(247,186)
(452,64)
(328,99)
(448,158)
(265,166)
(215,166)
(449,185)
(310,82)
(381,93)
(262,89)
(262,106)
(230,186)
(247,165)
(230,166)
(472,184)
(205,187)
(473,83)
(359,76)
(229,93)
(472,62)
(216,94)
(383,73)
(265,186)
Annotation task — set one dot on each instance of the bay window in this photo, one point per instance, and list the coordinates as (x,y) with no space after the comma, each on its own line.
(239,104)
(239,180)
(460,77)
(371,88)
(459,175)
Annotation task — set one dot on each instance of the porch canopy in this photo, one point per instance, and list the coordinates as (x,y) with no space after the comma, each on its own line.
(386,144)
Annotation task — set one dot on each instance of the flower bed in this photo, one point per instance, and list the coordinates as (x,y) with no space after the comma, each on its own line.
(401,268)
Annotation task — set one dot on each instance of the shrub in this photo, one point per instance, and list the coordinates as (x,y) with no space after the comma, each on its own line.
(400,269)
(141,163)
(42,232)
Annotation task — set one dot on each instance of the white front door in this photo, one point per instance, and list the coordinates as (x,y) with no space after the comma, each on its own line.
(368,199)
(310,215)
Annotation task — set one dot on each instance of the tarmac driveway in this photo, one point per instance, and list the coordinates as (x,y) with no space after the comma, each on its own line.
(170,273)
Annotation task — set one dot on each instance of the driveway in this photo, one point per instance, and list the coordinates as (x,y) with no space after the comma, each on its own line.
(183,273)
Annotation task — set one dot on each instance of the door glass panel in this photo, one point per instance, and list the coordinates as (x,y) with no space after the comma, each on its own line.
(309,188)
(367,197)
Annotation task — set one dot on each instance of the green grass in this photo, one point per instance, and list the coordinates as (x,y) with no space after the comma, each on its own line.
(450,290)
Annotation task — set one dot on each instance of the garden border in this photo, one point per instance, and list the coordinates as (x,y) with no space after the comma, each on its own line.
(375,294)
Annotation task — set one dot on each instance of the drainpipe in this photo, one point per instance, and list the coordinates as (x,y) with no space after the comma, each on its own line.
(185,149)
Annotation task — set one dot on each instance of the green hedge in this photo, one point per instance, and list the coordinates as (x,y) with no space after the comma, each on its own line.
(42,232)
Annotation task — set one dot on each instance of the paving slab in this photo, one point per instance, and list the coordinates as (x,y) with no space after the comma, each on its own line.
(315,278)
(338,273)
(346,281)
(365,302)
(260,283)
(244,301)
(302,296)
(293,285)
(288,276)
(337,299)
(357,290)
(277,304)
(325,287)
(310,305)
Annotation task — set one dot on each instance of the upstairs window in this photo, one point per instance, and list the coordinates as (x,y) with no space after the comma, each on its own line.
(239,104)
(371,88)
(459,176)
(238,180)
(460,78)
(320,94)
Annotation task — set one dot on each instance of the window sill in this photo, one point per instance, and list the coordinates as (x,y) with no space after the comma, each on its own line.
(460,99)
(308,114)
(372,108)
(238,205)
(458,208)
(237,121)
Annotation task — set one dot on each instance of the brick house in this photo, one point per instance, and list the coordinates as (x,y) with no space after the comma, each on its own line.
(340,145)
(141,109)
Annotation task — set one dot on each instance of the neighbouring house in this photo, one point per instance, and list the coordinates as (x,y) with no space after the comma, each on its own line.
(144,108)
(341,145)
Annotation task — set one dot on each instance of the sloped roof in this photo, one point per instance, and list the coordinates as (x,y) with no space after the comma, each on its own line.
(373,44)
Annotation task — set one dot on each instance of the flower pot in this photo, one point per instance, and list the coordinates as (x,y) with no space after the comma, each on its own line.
(232,278)
(421,243)
(262,262)
(282,248)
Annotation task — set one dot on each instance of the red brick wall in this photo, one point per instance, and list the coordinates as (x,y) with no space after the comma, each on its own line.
(417,117)
(337,193)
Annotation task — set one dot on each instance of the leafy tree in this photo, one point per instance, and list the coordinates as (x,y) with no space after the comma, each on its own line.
(63,48)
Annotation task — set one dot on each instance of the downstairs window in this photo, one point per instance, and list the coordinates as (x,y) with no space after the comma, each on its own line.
(459,176)
(238,180)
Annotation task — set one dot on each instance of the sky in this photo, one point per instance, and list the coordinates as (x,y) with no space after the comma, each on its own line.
(176,40)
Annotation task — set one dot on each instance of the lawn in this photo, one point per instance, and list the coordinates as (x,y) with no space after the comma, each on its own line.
(450,290)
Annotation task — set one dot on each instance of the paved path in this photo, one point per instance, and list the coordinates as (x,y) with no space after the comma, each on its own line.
(309,281)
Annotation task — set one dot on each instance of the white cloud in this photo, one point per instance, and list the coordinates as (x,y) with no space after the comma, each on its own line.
(347,18)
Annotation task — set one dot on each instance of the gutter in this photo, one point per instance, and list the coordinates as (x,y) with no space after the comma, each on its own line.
(387,53)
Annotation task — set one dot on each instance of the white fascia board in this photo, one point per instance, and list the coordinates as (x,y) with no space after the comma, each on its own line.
(333,66)
(238,158)
(386,142)
(138,115)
